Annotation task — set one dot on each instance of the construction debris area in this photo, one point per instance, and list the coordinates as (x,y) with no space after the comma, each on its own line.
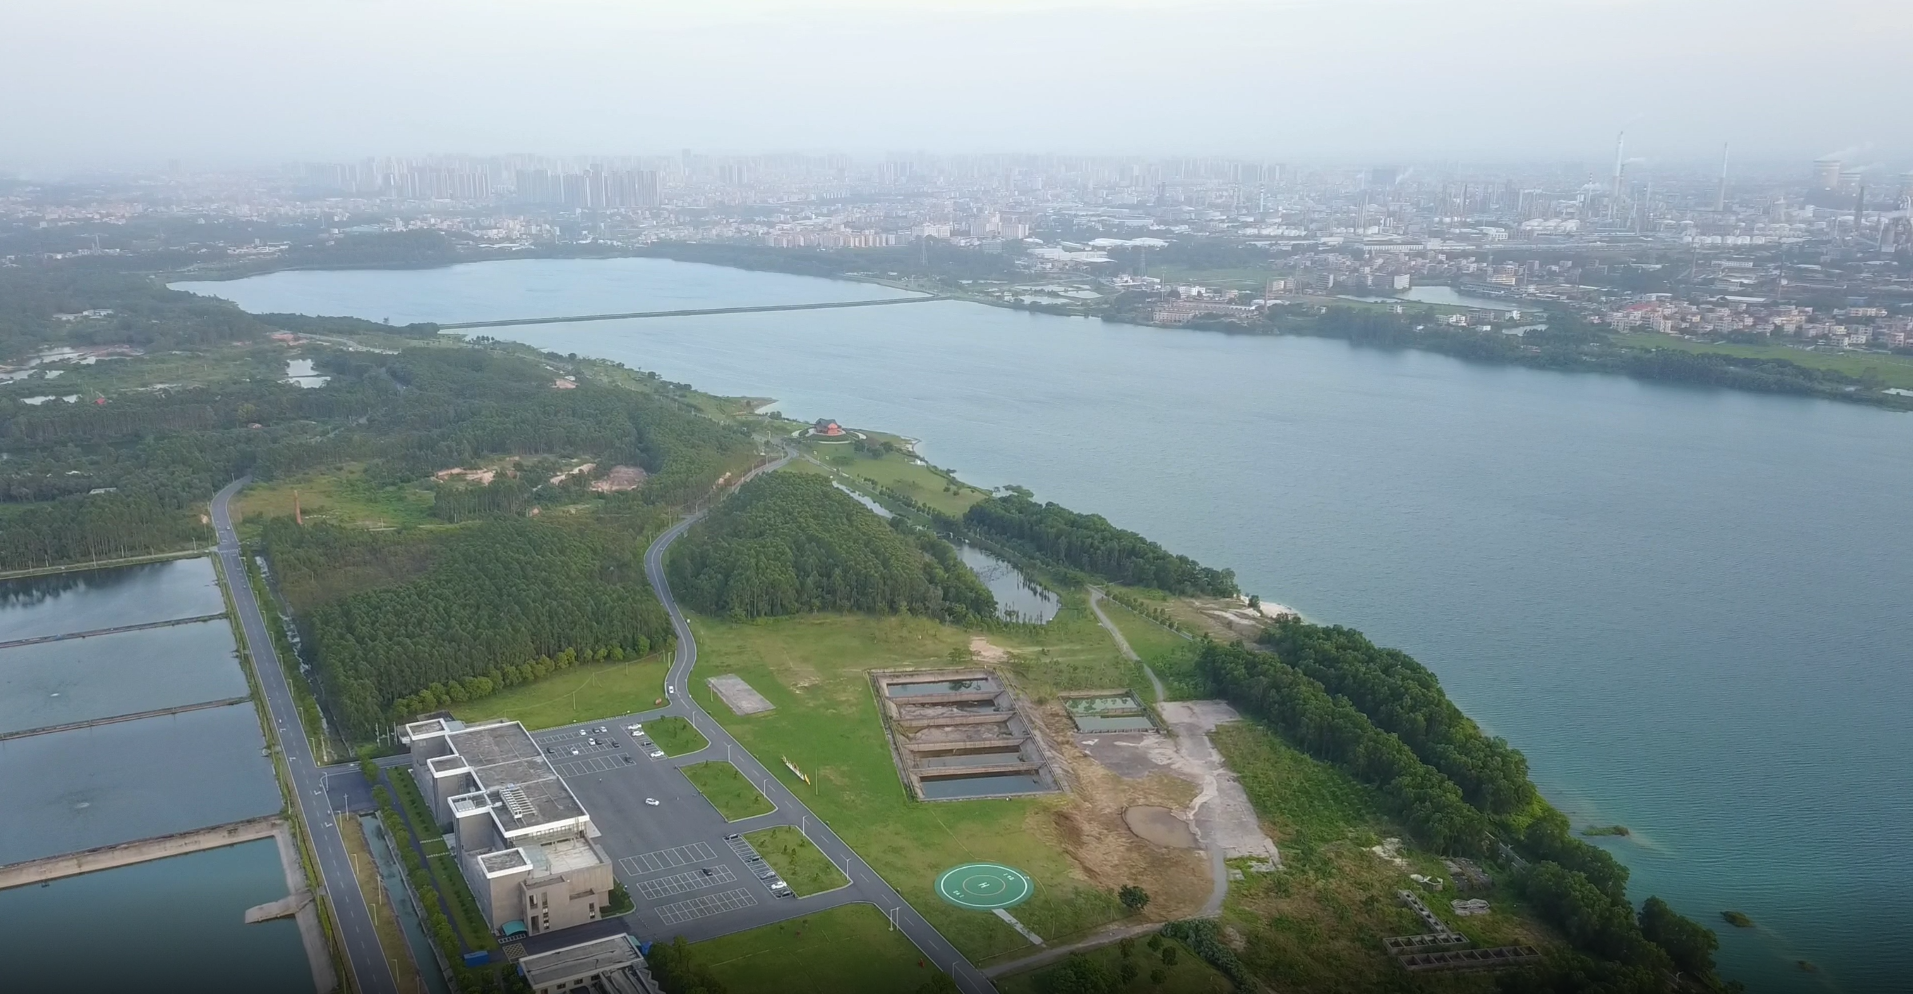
(959,733)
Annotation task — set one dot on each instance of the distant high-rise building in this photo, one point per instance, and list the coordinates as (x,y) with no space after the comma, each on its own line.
(1827,173)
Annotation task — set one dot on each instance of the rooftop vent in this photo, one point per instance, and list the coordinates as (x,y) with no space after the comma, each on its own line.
(516,802)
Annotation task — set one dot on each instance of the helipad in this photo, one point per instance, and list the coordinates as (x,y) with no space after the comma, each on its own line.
(984,886)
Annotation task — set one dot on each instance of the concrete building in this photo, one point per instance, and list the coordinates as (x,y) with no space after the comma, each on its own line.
(527,848)
(610,965)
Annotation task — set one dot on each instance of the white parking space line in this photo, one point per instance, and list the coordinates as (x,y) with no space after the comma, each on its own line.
(684,883)
(644,864)
(705,907)
(592,764)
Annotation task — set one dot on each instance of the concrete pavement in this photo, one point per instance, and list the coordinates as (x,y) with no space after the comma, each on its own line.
(365,962)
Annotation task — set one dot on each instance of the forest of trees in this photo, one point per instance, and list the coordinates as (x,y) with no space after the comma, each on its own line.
(162,454)
(1578,888)
(1401,696)
(791,542)
(1331,729)
(491,605)
(1088,542)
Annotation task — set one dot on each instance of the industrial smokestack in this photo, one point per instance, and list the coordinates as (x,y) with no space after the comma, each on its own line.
(1720,194)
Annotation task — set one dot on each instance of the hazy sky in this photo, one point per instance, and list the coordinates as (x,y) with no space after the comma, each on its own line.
(124,82)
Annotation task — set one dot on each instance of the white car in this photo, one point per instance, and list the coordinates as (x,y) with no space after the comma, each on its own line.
(651,801)
(657,754)
(574,752)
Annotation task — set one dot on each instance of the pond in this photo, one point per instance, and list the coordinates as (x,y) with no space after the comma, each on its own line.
(1018,598)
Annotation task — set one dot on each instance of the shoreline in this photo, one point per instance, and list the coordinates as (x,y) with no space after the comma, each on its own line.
(1620,354)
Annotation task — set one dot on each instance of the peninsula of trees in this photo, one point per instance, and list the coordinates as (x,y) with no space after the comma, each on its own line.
(792,542)
(1089,543)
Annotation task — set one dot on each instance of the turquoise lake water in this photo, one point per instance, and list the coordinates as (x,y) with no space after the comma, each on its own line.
(1688,607)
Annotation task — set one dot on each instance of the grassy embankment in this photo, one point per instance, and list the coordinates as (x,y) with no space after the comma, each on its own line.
(895,470)
(674,736)
(730,792)
(847,950)
(586,692)
(1891,370)
(1316,925)
(802,865)
(814,670)
(1187,975)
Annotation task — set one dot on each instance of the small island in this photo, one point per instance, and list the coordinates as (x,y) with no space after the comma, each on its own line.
(1620,830)
(1737,919)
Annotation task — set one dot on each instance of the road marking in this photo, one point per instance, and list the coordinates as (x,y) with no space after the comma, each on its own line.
(684,883)
(705,907)
(589,764)
(645,864)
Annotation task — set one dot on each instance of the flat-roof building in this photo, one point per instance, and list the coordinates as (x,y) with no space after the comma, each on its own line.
(611,965)
(526,846)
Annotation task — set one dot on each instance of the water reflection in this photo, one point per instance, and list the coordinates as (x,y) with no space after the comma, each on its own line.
(1018,598)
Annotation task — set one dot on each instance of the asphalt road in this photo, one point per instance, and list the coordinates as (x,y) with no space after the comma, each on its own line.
(365,960)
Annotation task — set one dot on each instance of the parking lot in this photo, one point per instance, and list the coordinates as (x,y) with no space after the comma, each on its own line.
(676,857)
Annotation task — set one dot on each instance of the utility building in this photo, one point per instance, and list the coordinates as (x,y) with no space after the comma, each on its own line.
(527,848)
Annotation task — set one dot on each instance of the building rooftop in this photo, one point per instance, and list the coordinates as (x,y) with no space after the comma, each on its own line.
(526,793)
(582,960)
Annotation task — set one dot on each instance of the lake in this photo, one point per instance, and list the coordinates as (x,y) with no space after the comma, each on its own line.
(1688,607)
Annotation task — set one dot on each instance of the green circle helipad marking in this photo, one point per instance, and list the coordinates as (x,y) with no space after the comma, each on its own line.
(984,886)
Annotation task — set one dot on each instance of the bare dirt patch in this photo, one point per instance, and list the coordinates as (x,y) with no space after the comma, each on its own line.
(1090,828)
(1159,825)
(984,650)
(621,478)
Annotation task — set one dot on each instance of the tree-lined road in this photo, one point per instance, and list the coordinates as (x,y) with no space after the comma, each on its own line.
(351,917)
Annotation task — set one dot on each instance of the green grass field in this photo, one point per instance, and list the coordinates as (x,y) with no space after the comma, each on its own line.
(728,790)
(1891,370)
(1189,975)
(585,692)
(675,736)
(1072,652)
(341,495)
(899,472)
(813,669)
(847,950)
(803,866)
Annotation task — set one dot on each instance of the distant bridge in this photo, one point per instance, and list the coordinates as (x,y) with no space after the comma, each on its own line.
(687,312)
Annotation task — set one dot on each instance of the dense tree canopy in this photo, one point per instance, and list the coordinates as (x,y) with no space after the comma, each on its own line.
(1331,729)
(1401,696)
(1088,542)
(792,542)
(496,598)
(134,474)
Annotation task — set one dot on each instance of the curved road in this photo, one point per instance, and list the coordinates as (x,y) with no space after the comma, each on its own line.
(865,884)
(365,960)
